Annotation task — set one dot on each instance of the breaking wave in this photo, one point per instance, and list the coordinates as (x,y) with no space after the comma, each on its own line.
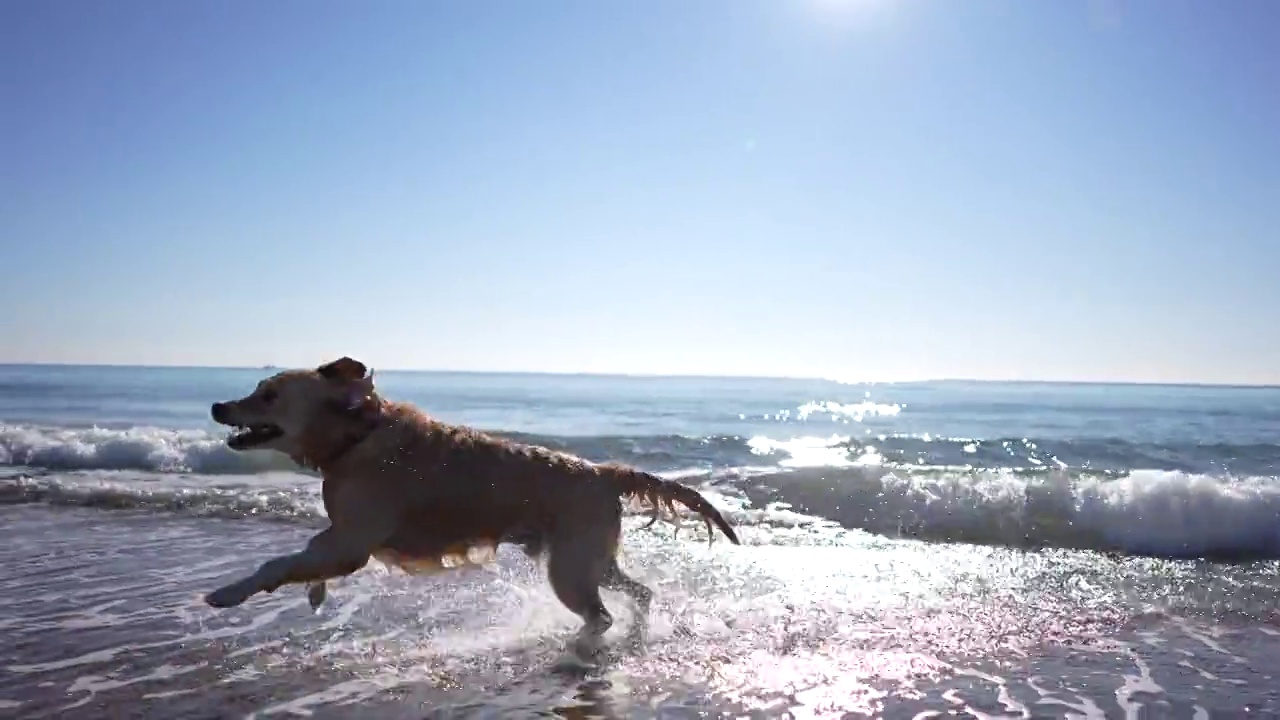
(1152,513)
(139,448)
(1157,513)
(163,450)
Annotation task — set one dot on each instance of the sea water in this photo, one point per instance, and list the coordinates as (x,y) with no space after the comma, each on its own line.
(909,550)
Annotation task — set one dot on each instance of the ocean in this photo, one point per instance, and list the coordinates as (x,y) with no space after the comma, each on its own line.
(914,550)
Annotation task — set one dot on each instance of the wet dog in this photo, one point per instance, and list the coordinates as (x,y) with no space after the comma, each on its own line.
(424,495)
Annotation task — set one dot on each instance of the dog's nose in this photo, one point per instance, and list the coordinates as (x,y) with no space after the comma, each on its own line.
(219,411)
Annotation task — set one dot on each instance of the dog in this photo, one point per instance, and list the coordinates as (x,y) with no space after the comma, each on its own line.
(424,495)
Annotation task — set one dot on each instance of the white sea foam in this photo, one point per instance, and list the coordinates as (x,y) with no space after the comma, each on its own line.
(1153,512)
(198,451)
(1150,512)
(137,448)
(1156,513)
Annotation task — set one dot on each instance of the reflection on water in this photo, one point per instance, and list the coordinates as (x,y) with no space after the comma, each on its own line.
(97,614)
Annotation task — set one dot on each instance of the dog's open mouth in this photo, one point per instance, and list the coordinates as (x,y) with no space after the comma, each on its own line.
(249,436)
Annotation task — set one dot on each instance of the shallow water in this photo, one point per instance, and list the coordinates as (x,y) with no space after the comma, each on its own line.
(866,585)
(101,614)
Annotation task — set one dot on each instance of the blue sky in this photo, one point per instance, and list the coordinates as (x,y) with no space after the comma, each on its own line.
(864,189)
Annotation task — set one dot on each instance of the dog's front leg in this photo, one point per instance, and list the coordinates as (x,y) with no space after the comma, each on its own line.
(325,557)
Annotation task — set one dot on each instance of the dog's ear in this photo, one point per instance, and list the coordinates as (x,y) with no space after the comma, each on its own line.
(355,398)
(344,368)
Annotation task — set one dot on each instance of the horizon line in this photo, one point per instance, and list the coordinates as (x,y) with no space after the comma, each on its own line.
(677,376)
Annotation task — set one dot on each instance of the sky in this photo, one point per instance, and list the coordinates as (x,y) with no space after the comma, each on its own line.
(856,189)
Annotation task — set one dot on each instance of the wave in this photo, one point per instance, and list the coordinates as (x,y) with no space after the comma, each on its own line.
(1188,501)
(1148,512)
(162,450)
(284,497)
(1156,513)
(1098,454)
(138,448)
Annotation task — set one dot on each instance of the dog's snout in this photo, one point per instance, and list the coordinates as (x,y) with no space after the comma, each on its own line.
(219,411)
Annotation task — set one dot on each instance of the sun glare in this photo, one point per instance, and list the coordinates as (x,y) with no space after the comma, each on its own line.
(845,12)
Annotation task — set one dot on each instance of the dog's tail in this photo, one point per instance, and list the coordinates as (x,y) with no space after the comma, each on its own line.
(663,494)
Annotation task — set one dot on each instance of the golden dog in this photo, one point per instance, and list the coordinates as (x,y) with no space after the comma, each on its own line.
(425,495)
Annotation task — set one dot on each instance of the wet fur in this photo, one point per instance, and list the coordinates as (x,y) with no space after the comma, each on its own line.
(425,496)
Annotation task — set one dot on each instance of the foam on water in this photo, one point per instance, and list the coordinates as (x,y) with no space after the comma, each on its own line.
(789,444)
(274,496)
(1156,513)
(859,625)
(137,448)
(165,450)
(1150,512)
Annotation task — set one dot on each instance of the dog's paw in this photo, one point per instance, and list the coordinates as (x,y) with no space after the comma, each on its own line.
(571,664)
(587,647)
(230,595)
(315,595)
(638,639)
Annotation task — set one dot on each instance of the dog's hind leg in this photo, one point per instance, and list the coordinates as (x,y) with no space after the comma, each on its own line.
(576,569)
(641,596)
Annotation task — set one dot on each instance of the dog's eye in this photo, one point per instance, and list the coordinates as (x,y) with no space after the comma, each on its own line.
(268,396)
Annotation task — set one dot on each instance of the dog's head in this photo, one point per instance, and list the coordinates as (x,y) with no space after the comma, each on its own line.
(295,409)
